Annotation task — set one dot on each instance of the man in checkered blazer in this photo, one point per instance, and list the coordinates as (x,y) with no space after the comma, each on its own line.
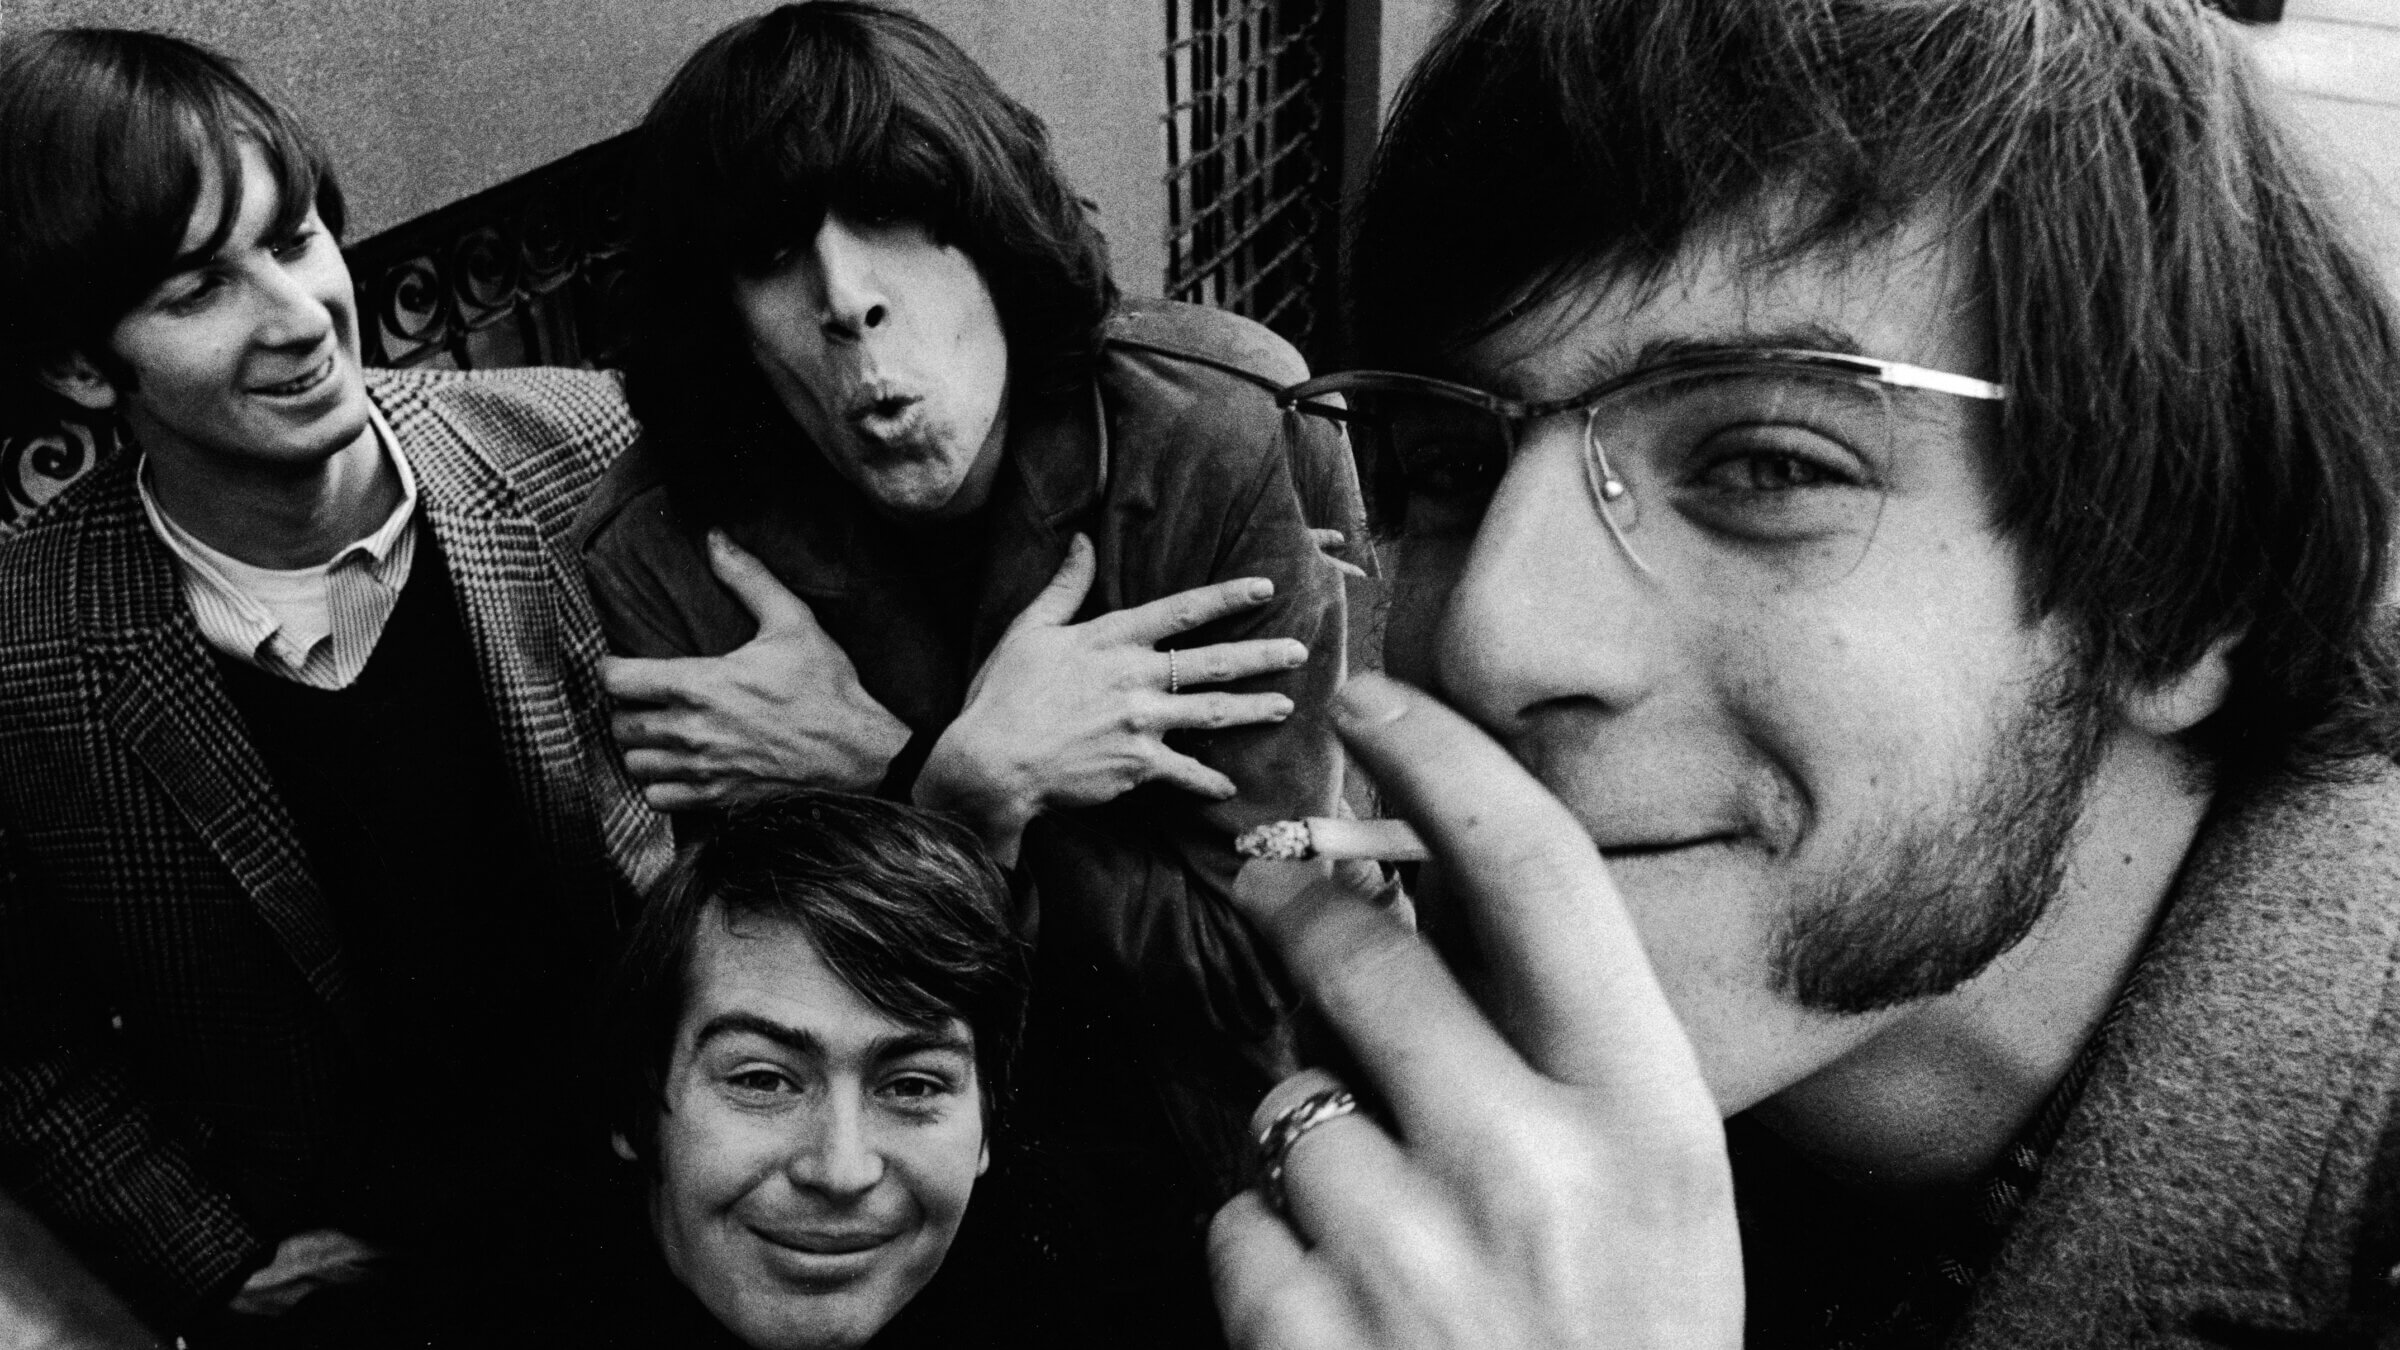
(310,829)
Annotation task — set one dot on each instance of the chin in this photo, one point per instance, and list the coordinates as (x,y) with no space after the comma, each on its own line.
(838,1321)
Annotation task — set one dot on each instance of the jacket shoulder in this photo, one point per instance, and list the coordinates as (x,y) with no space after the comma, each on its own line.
(1196,335)
(38,555)
(551,430)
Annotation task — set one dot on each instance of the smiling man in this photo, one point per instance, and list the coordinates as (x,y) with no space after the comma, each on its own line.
(814,1025)
(1893,501)
(304,774)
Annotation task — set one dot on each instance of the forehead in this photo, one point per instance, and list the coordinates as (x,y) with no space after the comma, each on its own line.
(1910,295)
(217,219)
(774,969)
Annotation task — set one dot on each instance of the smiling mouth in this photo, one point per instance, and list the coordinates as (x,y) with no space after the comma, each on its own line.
(831,1242)
(1633,852)
(302,383)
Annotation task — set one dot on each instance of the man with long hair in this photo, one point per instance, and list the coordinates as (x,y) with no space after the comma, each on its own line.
(1898,497)
(310,832)
(1054,554)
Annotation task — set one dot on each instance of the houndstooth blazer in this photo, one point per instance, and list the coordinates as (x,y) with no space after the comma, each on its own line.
(174,1005)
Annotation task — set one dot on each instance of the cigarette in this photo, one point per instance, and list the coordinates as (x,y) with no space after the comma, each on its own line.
(1327,837)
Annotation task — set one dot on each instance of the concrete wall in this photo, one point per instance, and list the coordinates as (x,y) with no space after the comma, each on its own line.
(2339,61)
(426,101)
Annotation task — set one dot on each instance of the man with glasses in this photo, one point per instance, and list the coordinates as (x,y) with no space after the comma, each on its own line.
(1890,511)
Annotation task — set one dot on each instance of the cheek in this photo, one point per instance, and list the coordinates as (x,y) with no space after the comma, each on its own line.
(1423,571)
(180,363)
(940,1165)
(708,1159)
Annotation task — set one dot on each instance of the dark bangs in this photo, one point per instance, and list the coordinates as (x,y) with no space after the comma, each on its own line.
(1541,141)
(107,137)
(801,129)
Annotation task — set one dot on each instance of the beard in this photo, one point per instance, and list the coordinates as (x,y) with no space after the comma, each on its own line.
(1926,906)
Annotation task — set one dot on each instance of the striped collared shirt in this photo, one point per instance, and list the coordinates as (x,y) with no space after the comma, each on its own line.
(312,625)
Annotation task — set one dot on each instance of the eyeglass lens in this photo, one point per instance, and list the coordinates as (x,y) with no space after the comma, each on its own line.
(1730,477)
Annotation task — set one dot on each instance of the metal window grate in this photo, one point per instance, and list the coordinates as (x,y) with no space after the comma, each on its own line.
(1250,155)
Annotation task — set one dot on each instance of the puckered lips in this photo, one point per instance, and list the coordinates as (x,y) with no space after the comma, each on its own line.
(883,412)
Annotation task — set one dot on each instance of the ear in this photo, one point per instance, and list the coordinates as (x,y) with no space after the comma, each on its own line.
(75,378)
(618,1146)
(2180,702)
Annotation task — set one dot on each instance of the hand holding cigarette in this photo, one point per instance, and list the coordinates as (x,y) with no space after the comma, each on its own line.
(1545,1170)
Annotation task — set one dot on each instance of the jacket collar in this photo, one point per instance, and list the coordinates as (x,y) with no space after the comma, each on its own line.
(2211,1167)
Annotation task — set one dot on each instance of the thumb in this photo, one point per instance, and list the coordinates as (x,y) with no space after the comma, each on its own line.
(1060,599)
(767,599)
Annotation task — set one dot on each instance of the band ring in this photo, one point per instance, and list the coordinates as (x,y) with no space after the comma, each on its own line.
(1174,685)
(1275,1142)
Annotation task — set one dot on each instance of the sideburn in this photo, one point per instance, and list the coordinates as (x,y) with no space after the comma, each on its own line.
(1931,903)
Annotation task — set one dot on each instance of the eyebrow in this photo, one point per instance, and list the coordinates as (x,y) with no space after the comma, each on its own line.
(1608,362)
(799,1040)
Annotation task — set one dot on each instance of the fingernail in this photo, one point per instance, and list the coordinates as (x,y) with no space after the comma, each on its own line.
(1296,655)
(1283,709)
(716,538)
(1262,589)
(1368,701)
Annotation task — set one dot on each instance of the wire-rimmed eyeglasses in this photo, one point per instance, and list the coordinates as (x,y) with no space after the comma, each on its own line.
(1726,464)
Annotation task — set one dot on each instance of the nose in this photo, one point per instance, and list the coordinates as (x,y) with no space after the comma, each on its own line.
(834,1153)
(295,314)
(1547,611)
(856,300)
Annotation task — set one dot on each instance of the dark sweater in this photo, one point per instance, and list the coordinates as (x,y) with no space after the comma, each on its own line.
(475,1138)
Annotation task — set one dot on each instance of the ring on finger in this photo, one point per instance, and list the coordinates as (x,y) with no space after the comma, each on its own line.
(1276,1140)
(1173,683)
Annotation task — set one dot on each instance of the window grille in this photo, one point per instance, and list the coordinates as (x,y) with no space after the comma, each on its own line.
(1252,95)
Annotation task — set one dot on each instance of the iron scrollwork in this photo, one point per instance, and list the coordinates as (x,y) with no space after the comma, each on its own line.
(526,273)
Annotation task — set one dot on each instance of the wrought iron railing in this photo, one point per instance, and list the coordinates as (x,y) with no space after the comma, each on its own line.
(531,272)
(1253,88)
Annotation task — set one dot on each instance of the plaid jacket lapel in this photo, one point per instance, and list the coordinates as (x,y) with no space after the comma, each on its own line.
(158,690)
(535,639)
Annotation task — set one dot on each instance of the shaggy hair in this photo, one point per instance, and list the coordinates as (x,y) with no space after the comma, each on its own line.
(2205,389)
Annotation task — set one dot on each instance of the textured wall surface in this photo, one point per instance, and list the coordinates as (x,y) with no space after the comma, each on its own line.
(426,101)
(2340,62)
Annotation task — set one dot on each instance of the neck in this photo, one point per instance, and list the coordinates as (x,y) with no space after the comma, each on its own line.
(1935,1097)
(276,515)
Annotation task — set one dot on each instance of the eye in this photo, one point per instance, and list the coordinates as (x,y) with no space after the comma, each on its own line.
(760,1080)
(1780,483)
(919,1091)
(1774,459)
(191,293)
(295,246)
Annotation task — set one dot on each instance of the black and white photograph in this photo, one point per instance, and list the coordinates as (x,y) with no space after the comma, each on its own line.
(1200,674)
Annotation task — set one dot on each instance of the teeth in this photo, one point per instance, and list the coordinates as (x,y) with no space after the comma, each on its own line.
(301,382)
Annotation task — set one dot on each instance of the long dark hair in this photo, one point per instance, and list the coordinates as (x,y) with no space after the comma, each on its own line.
(2201,438)
(846,106)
